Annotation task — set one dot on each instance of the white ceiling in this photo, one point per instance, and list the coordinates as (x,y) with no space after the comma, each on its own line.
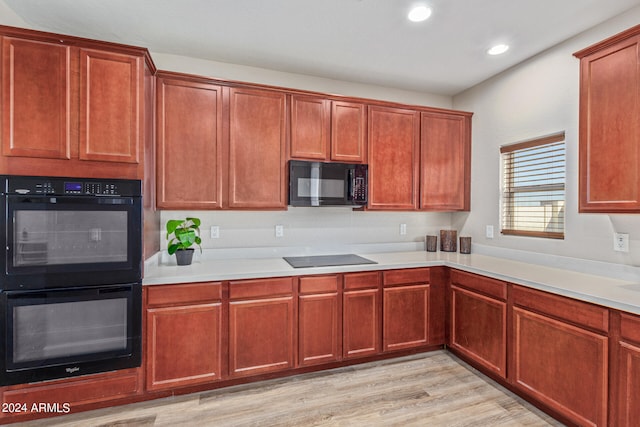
(366,41)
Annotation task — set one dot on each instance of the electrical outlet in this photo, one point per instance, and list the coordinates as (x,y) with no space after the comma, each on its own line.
(489,232)
(403,229)
(279,231)
(621,242)
(215,232)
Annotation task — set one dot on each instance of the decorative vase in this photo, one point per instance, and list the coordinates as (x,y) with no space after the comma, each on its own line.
(184,256)
(448,240)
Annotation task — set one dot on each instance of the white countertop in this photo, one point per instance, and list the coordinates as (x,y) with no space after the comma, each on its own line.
(609,292)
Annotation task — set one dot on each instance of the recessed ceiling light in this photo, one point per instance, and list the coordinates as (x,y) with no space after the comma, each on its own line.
(498,49)
(419,14)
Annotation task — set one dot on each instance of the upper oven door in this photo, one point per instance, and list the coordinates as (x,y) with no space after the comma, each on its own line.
(71,240)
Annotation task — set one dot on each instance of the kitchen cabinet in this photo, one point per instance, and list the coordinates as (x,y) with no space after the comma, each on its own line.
(257,155)
(72,106)
(560,354)
(184,335)
(609,133)
(189,142)
(327,130)
(478,320)
(261,326)
(626,378)
(319,320)
(405,313)
(69,395)
(361,314)
(445,161)
(394,158)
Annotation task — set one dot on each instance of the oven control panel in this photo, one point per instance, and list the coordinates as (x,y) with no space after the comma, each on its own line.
(58,186)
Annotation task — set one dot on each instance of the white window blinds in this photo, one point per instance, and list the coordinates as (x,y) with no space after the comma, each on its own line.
(533,199)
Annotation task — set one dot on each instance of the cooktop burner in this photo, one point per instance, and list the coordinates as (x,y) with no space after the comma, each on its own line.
(326,260)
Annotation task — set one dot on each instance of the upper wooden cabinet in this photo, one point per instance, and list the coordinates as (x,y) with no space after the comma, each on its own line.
(394,158)
(189,142)
(257,157)
(71,106)
(609,130)
(445,161)
(327,130)
(419,160)
(219,147)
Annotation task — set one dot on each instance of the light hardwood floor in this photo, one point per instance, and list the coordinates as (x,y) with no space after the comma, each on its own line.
(431,389)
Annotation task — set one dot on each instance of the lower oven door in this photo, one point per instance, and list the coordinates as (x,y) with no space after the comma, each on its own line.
(60,333)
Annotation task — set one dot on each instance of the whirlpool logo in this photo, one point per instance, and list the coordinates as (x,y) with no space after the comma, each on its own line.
(72,370)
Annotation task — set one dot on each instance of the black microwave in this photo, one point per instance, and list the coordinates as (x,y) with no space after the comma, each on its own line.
(327,184)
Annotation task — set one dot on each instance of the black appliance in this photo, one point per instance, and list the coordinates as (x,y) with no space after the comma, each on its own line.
(326,260)
(327,184)
(71,284)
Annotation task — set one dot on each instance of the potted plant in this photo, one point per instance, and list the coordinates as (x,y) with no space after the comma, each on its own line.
(182,234)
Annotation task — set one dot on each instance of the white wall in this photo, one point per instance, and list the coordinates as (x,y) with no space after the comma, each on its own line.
(324,229)
(536,98)
(8,17)
(243,73)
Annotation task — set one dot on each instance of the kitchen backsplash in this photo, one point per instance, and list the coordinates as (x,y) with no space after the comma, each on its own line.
(318,227)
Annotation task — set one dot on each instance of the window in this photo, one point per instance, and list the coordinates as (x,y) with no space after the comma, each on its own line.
(533,187)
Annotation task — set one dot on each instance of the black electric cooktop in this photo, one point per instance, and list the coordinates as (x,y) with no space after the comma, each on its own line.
(326,260)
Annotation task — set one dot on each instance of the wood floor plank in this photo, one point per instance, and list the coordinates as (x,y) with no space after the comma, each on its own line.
(430,389)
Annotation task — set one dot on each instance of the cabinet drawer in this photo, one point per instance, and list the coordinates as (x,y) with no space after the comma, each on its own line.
(361,280)
(485,285)
(630,327)
(318,284)
(577,312)
(242,289)
(181,294)
(85,391)
(403,277)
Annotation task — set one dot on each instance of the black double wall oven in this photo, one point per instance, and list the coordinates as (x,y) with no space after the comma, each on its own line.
(71,285)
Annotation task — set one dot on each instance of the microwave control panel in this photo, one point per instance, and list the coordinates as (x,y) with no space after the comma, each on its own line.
(359,184)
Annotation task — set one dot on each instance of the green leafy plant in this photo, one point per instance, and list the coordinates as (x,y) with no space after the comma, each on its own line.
(182,234)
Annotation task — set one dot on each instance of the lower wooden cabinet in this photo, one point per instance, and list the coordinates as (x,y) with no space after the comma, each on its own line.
(184,330)
(405,309)
(561,364)
(319,320)
(261,326)
(627,377)
(479,320)
(68,395)
(361,315)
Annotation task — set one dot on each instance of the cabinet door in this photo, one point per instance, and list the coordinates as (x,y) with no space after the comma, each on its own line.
(361,323)
(479,329)
(348,132)
(111,106)
(562,366)
(310,127)
(628,381)
(260,336)
(189,139)
(257,150)
(445,162)
(405,316)
(609,130)
(394,138)
(318,328)
(37,99)
(183,345)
